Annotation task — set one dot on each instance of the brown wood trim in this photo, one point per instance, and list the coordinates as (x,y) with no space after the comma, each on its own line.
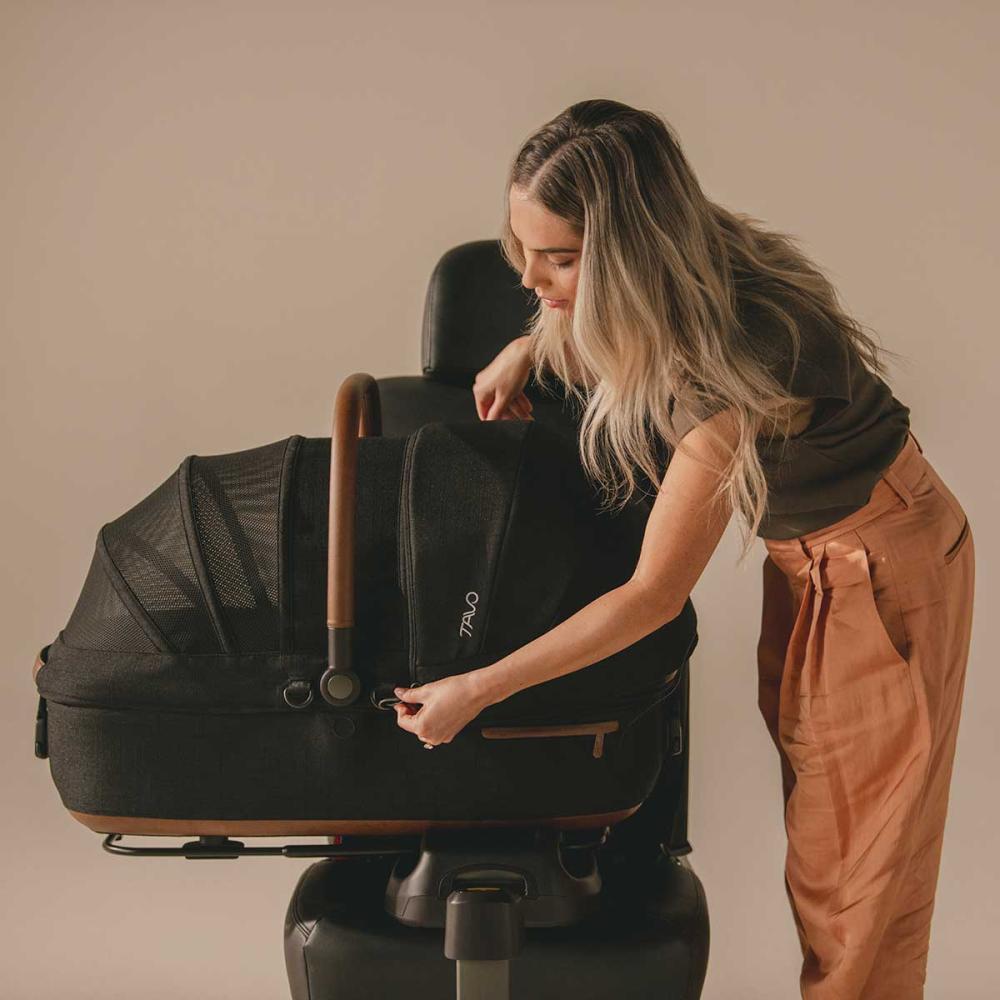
(153,827)
(357,413)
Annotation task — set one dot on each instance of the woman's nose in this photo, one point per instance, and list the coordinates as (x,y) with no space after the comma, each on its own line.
(528,278)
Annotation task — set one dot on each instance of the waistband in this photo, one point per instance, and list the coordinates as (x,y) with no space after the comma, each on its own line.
(896,484)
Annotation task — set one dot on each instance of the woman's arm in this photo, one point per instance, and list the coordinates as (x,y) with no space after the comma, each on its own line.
(681,534)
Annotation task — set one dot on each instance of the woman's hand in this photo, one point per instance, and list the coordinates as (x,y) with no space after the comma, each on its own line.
(499,388)
(446,706)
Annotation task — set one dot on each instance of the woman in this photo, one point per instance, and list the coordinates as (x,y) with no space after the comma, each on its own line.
(674,321)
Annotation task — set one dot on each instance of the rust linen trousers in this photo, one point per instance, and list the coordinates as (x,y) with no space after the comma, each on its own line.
(864,639)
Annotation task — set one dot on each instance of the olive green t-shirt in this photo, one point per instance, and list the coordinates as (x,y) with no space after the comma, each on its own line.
(858,427)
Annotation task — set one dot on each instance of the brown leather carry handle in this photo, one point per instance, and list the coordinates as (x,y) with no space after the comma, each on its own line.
(357,412)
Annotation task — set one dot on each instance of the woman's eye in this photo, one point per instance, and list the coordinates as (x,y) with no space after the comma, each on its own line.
(562,264)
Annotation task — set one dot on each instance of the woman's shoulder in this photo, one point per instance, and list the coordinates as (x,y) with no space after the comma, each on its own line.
(823,369)
(823,365)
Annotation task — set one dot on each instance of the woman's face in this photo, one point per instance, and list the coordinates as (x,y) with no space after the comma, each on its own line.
(551,251)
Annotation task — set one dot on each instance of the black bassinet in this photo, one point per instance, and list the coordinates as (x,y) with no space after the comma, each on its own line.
(199,688)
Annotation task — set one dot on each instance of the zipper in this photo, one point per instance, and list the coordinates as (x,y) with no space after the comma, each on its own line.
(665,687)
(405,568)
(525,728)
(595,729)
(382,698)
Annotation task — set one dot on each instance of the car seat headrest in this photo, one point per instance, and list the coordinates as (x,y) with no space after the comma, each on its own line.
(475,306)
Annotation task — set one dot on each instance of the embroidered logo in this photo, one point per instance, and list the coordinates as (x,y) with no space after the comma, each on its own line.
(472,599)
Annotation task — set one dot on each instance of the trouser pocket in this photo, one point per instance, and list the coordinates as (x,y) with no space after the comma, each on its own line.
(859,742)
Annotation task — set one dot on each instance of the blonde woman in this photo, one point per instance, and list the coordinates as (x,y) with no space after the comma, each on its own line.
(673,321)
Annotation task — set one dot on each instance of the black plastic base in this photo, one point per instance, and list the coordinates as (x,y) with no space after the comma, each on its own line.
(554,885)
(648,937)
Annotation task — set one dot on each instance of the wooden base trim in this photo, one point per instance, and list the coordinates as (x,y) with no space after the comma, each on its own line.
(154,827)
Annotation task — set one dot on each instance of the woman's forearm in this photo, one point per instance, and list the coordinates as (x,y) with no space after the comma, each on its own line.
(602,628)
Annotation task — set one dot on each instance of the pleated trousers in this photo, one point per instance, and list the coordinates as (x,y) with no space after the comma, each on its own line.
(865,635)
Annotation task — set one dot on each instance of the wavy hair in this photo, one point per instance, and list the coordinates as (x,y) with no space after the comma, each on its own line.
(664,278)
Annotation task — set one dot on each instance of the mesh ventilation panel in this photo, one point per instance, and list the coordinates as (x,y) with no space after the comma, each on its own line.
(235,506)
(149,547)
(101,621)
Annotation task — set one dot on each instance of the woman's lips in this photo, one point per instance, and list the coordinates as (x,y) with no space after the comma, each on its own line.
(554,303)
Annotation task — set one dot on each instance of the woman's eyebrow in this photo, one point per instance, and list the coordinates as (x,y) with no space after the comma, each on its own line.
(546,249)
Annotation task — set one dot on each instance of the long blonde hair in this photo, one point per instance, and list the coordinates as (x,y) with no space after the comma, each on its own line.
(662,275)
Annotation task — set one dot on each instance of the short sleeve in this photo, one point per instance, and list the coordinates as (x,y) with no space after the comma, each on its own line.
(824,366)
(686,414)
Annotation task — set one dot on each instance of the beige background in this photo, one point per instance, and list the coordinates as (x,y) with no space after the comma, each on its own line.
(213,212)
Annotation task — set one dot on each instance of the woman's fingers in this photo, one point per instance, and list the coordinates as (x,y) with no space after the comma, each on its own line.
(404,717)
(521,407)
(495,408)
(517,408)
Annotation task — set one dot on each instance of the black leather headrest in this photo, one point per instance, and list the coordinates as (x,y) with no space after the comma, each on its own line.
(475,305)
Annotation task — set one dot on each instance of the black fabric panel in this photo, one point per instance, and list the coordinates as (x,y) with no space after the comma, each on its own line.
(548,540)
(286,570)
(662,818)
(409,401)
(307,530)
(380,646)
(187,682)
(458,485)
(190,765)
(504,522)
(380,635)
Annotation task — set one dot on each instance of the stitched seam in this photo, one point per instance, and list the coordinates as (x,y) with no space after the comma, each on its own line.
(506,529)
(201,571)
(286,526)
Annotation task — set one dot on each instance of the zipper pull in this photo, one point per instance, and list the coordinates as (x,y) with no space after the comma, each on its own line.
(383,697)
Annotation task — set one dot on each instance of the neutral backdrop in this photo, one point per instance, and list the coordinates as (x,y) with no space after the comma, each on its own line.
(211,213)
